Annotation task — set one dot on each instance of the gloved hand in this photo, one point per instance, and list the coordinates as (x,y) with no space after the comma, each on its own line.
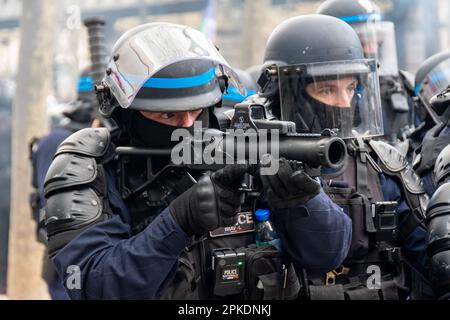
(212,203)
(289,187)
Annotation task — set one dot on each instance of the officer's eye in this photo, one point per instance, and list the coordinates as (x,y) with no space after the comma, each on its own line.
(326,91)
(167,115)
(351,88)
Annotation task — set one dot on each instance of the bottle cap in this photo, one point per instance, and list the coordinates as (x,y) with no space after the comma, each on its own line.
(262,214)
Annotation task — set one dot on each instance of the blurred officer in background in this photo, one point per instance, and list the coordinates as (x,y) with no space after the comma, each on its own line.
(42,150)
(378,41)
(432,77)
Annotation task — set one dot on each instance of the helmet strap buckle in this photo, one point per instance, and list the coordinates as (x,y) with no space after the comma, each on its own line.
(105,98)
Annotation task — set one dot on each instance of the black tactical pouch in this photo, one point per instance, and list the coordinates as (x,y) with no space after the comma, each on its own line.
(268,275)
(357,208)
(185,283)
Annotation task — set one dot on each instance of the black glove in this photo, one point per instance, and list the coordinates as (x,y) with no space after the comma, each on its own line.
(212,203)
(289,187)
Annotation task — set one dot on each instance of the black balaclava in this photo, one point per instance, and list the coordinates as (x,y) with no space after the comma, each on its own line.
(147,133)
(312,116)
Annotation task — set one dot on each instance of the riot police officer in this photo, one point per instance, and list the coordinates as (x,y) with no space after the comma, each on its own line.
(432,77)
(133,229)
(320,79)
(378,41)
(432,161)
(79,115)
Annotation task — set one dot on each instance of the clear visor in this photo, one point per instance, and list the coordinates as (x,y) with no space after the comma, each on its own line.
(378,41)
(343,96)
(435,82)
(152,47)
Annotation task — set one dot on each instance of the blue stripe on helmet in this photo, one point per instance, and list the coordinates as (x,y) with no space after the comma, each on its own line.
(417,88)
(433,79)
(361,18)
(233,94)
(180,83)
(85,84)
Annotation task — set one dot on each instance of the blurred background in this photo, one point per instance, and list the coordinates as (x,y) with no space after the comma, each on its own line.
(44,45)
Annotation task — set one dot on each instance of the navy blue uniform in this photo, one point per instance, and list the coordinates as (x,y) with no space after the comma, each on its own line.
(414,246)
(116,265)
(313,234)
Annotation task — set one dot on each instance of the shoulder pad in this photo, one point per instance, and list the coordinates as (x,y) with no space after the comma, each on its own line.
(67,214)
(442,167)
(412,181)
(69,169)
(71,209)
(89,142)
(391,159)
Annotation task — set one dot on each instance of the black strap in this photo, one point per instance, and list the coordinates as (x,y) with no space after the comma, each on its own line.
(369,224)
(362,185)
(361,168)
(362,293)
(334,292)
(410,224)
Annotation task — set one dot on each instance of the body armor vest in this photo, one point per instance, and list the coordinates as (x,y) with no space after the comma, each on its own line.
(373,269)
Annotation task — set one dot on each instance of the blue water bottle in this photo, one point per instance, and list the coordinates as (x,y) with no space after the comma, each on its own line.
(265,232)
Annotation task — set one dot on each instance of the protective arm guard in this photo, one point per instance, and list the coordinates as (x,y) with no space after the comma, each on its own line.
(438,241)
(393,163)
(441,172)
(438,230)
(75,186)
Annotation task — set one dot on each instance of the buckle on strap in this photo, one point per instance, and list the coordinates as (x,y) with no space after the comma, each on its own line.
(362,150)
(330,278)
(392,255)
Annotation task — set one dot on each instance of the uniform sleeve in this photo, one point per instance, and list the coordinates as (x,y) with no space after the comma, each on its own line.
(114,265)
(316,235)
(413,247)
(428,184)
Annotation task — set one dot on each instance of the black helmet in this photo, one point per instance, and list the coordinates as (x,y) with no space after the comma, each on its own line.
(377,36)
(351,11)
(433,76)
(164,67)
(325,39)
(314,50)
